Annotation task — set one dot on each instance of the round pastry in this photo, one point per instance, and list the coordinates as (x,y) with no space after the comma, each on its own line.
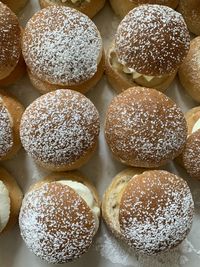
(145,128)
(150,44)
(10,201)
(189,72)
(63,48)
(190,9)
(10,115)
(151,211)
(59,217)
(121,8)
(11,67)
(14,5)
(88,7)
(59,130)
(190,158)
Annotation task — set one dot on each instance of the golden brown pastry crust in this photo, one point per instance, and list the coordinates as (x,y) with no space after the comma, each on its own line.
(189,72)
(10,41)
(190,9)
(112,196)
(60,130)
(15,195)
(139,128)
(156,211)
(90,8)
(16,74)
(60,209)
(59,58)
(154,194)
(159,40)
(14,5)
(121,8)
(190,158)
(120,81)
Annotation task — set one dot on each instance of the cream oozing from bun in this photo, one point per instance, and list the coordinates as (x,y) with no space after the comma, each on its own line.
(84,192)
(56,223)
(196,126)
(4,206)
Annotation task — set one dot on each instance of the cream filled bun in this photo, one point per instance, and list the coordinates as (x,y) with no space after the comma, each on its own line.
(150,44)
(10,201)
(145,128)
(63,47)
(10,115)
(190,158)
(59,217)
(14,5)
(121,8)
(189,72)
(59,130)
(88,7)
(152,211)
(11,67)
(190,9)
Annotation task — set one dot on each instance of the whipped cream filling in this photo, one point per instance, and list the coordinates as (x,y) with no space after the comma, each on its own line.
(4,206)
(85,193)
(196,126)
(135,75)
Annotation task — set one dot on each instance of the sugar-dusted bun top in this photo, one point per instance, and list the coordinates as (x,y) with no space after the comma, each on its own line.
(156,211)
(145,128)
(60,127)
(6,131)
(152,39)
(62,46)
(10,41)
(56,223)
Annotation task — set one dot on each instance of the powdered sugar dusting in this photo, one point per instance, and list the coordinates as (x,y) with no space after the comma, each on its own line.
(6,134)
(10,39)
(59,127)
(56,224)
(152,39)
(156,212)
(62,46)
(145,128)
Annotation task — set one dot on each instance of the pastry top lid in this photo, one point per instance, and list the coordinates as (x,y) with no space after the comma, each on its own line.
(156,211)
(144,127)
(62,46)
(152,39)
(56,223)
(59,127)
